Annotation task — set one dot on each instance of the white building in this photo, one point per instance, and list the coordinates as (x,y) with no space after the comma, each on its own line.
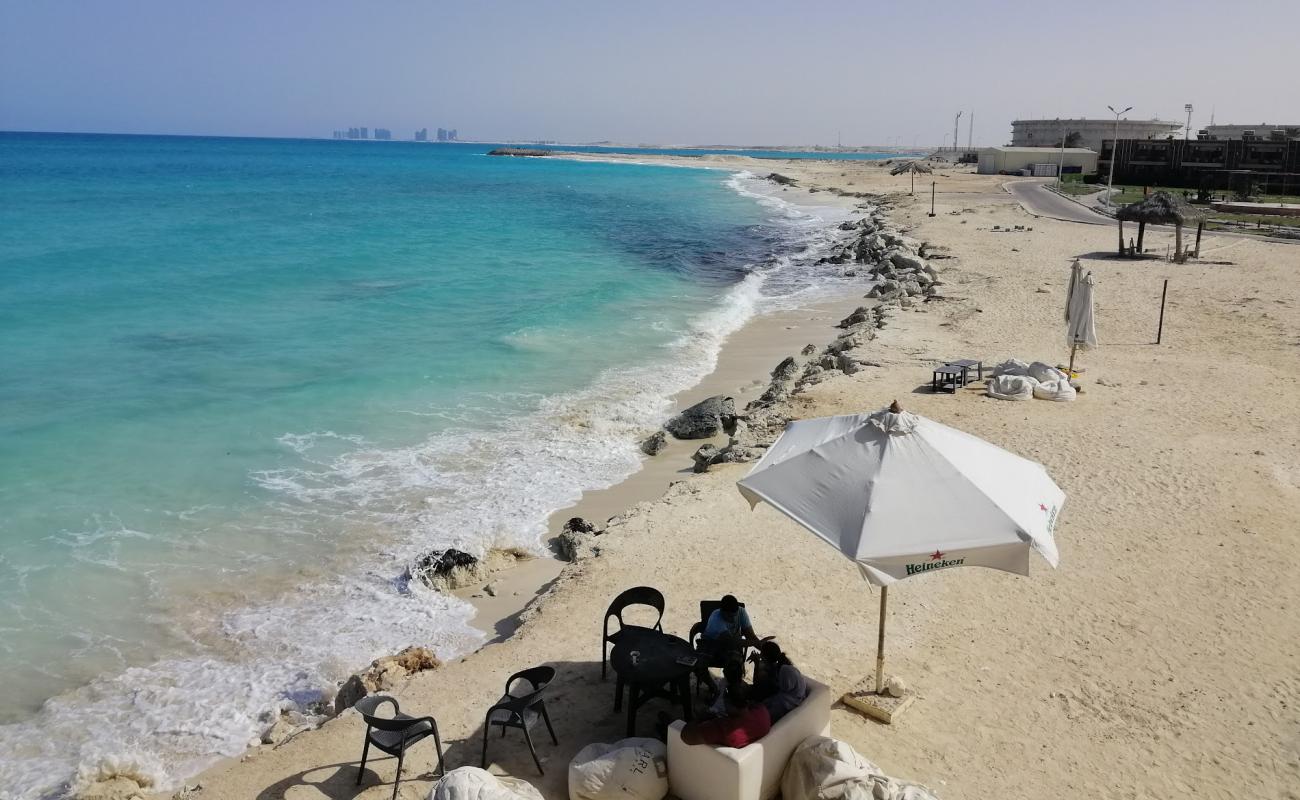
(1263,130)
(1091,132)
(998,160)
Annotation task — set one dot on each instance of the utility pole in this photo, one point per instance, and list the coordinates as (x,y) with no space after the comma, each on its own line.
(970,131)
(956,121)
(1114,154)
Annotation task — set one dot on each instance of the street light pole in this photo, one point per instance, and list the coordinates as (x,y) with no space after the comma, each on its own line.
(1114,153)
(955,123)
(1187,132)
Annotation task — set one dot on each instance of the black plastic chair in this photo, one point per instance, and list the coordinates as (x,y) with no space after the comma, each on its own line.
(522,711)
(637,596)
(393,735)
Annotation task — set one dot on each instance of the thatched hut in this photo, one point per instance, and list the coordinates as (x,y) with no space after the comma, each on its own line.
(1162,208)
(911,166)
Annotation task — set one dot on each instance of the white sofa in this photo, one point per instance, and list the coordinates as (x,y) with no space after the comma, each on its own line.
(703,772)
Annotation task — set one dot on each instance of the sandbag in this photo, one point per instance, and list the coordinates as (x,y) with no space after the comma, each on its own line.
(822,768)
(630,769)
(472,783)
(1011,387)
(1058,390)
(1045,372)
(1012,366)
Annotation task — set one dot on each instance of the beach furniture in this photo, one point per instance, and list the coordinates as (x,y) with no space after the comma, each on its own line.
(704,772)
(652,663)
(394,734)
(935,498)
(947,379)
(522,710)
(967,364)
(707,607)
(636,596)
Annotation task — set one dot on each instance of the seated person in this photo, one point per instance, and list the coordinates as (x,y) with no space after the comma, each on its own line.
(733,674)
(744,723)
(727,631)
(778,683)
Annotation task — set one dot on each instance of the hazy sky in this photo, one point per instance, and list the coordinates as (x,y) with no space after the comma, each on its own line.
(794,72)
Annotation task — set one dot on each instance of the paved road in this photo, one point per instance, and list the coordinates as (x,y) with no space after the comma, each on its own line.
(1037,200)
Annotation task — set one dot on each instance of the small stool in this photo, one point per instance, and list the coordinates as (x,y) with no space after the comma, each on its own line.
(947,378)
(968,364)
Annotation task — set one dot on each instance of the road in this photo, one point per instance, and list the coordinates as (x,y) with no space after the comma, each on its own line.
(1035,198)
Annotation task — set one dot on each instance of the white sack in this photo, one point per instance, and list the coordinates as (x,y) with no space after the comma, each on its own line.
(1011,387)
(631,769)
(472,783)
(1013,366)
(1045,372)
(1058,390)
(822,768)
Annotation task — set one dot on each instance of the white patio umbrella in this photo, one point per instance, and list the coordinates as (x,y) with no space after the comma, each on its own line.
(1076,275)
(902,495)
(1081,327)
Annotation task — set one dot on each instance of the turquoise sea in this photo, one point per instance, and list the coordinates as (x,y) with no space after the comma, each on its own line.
(244,382)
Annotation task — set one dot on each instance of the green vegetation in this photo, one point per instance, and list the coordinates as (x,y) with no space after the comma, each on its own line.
(1256,220)
(1078,188)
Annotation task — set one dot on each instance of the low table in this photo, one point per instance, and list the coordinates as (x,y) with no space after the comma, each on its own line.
(647,662)
(968,364)
(947,378)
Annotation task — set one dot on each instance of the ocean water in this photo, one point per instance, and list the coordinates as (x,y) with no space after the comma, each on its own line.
(244,382)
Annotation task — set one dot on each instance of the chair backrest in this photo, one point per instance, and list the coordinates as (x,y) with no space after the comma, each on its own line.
(636,596)
(370,704)
(538,678)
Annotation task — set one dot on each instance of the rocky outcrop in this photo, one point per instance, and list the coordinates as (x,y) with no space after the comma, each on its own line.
(383,675)
(705,456)
(519,151)
(705,419)
(577,540)
(655,443)
(778,178)
(447,570)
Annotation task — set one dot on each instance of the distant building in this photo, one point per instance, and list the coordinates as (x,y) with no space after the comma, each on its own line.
(383,134)
(422,135)
(363,133)
(1087,133)
(1037,160)
(442,134)
(451,135)
(1248,166)
(1263,130)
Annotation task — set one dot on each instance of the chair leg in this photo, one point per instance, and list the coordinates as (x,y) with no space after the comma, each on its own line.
(604,657)
(437,743)
(486,730)
(365,751)
(533,750)
(549,727)
(397,779)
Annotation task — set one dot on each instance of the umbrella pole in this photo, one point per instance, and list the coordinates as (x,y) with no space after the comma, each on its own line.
(1074,348)
(880,643)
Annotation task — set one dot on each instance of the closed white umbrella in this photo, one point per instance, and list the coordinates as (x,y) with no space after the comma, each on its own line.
(902,495)
(1081,329)
(1076,275)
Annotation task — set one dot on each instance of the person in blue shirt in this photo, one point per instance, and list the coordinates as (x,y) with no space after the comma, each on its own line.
(727,631)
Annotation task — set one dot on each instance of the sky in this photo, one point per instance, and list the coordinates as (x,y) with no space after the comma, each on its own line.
(667,72)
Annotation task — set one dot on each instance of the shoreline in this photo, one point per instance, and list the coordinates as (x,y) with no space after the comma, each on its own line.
(1101,658)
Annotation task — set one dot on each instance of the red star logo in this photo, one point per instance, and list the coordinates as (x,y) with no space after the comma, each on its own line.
(936,555)
(1042,507)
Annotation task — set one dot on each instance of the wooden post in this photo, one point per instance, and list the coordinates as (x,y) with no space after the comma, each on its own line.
(1142,229)
(1200,226)
(1178,243)
(1160,328)
(932,185)
(1121,237)
(880,643)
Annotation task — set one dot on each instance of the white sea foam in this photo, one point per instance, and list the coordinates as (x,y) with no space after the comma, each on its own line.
(493,484)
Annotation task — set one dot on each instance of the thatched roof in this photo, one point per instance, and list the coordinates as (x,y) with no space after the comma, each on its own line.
(910,166)
(1161,208)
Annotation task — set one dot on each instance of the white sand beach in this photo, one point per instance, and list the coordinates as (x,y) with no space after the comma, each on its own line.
(1159,661)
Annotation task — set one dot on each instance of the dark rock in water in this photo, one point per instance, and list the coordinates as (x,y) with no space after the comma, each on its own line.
(518,151)
(440,564)
(705,457)
(786,370)
(776,177)
(655,444)
(349,693)
(704,419)
(579,525)
(808,349)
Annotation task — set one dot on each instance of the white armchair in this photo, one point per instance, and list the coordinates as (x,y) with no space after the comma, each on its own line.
(703,772)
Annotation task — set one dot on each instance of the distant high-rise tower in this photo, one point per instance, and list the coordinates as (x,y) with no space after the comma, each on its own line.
(451,135)
(422,135)
(442,134)
(363,133)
